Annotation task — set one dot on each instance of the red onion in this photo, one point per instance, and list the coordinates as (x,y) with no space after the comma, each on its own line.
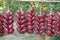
(30,20)
(40,20)
(1,26)
(58,24)
(8,22)
(21,21)
(50,24)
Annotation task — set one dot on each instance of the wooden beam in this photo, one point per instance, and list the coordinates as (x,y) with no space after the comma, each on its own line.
(39,0)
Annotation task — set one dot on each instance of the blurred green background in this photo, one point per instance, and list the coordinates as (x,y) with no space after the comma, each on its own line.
(45,7)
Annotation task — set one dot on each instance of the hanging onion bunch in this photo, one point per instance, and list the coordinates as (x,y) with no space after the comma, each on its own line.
(58,23)
(50,24)
(21,21)
(30,20)
(8,22)
(40,23)
(1,26)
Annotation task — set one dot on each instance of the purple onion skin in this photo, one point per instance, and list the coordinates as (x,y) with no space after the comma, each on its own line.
(30,20)
(21,21)
(8,22)
(50,24)
(40,20)
(1,26)
(58,23)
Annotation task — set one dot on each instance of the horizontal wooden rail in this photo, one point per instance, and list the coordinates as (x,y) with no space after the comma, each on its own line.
(40,0)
